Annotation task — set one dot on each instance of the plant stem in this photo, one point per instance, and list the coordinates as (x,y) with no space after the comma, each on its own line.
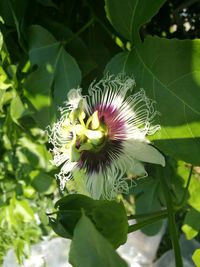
(151,214)
(137,226)
(171,218)
(79,32)
(64,211)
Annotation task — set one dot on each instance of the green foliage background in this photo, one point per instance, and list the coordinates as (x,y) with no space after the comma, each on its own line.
(48,47)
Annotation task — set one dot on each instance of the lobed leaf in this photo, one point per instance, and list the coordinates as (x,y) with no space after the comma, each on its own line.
(168,70)
(47,87)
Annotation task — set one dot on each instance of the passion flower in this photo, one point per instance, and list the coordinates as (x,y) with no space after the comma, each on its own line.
(101,138)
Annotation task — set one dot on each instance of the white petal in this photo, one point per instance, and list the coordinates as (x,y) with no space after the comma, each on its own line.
(137,169)
(60,158)
(94,185)
(144,152)
(115,183)
(74,97)
(68,166)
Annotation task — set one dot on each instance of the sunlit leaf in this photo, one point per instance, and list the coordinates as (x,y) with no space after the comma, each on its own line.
(193,197)
(168,71)
(17,109)
(196,257)
(5,83)
(21,210)
(34,153)
(57,73)
(191,225)
(74,45)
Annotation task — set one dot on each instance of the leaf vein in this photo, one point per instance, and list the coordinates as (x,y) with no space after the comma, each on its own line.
(132,20)
(163,85)
(181,77)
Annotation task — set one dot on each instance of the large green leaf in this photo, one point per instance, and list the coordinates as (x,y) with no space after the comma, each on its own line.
(57,73)
(128,16)
(89,248)
(109,217)
(74,45)
(169,70)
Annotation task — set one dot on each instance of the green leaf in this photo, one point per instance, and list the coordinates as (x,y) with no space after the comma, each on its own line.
(147,202)
(89,248)
(196,257)
(13,13)
(1,41)
(69,212)
(75,202)
(111,220)
(17,109)
(38,92)
(193,198)
(5,83)
(128,16)
(109,217)
(43,182)
(57,73)
(58,227)
(191,225)
(33,153)
(194,193)
(20,210)
(168,70)
(19,248)
(74,45)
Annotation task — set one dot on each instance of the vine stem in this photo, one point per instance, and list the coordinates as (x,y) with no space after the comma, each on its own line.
(171,218)
(79,32)
(147,215)
(148,221)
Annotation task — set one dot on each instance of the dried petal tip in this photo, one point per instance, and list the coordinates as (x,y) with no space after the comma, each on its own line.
(103,137)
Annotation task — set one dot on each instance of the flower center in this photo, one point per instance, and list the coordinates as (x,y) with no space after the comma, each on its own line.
(86,134)
(90,135)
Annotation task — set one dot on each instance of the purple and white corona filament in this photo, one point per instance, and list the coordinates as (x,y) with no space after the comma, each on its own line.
(102,136)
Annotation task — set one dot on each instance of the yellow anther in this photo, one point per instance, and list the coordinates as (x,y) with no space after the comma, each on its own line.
(93,121)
